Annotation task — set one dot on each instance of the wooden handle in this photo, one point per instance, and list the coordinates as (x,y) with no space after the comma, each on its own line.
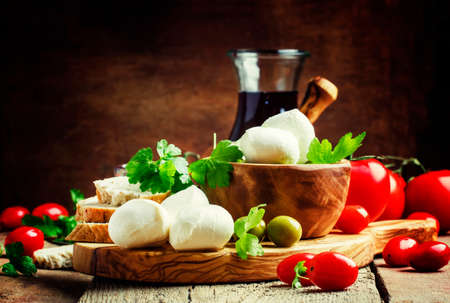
(320,93)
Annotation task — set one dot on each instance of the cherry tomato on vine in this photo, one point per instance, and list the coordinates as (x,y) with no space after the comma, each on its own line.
(333,271)
(430,192)
(421,215)
(11,217)
(430,256)
(285,269)
(53,210)
(397,251)
(31,238)
(396,201)
(369,186)
(353,219)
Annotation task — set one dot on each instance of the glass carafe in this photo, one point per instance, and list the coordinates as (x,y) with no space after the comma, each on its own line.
(268,82)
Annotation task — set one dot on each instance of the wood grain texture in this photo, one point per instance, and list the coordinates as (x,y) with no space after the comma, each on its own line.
(313,194)
(108,290)
(382,231)
(165,265)
(407,285)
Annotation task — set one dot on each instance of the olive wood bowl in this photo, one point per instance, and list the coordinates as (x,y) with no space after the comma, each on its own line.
(314,194)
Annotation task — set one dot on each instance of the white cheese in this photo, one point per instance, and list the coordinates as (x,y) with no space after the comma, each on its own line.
(54,257)
(191,197)
(139,223)
(298,125)
(269,145)
(206,227)
(117,190)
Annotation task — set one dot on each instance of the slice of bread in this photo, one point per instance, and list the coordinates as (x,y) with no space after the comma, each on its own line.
(117,190)
(54,257)
(90,232)
(91,211)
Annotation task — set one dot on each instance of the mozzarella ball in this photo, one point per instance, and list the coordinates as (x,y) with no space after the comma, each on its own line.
(139,223)
(298,125)
(206,227)
(269,145)
(190,197)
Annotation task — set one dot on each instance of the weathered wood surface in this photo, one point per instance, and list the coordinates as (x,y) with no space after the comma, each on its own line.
(166,265)
(314,194)
(62,286)
(107,290)
(406,285)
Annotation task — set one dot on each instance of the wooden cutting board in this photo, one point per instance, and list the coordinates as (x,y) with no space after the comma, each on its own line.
(165,265)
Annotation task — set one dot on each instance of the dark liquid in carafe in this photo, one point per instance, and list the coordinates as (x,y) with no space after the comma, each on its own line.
(255,107)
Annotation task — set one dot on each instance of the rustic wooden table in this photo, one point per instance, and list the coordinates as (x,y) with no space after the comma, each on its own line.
(376,283)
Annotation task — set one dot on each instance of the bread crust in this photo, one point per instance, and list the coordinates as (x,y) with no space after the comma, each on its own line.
(90,232)
(91,211)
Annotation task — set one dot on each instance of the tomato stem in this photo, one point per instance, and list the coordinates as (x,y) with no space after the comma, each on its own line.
(403,162)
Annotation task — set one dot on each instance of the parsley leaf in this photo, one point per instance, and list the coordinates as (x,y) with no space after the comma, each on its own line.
(300,271)
(9,270)
(76,196)
(169,172)
(248,244)
(215,170)
(56,230)
(17,261)
(323,152)
(26,266)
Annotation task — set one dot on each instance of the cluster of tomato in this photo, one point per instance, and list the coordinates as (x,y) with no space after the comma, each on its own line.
(377,193)
(32,238)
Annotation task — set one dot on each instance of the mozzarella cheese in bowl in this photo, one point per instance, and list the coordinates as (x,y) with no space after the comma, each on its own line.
(269,145)
(295,122)
(206,227)
(139,223)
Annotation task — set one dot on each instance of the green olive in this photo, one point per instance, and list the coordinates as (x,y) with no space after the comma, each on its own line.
(284,231)
(259,230)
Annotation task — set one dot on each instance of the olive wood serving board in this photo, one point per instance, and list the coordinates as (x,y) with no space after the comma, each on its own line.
(163,264)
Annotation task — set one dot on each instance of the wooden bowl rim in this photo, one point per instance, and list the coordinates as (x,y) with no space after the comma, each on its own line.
(305,167)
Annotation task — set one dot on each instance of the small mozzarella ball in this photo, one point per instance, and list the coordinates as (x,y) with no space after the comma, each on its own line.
(206,227)
(269,145)
(190,197)
(139,223)
(298,125)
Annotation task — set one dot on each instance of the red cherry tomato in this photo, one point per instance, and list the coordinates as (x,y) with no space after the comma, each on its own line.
(11,217)
(53,210)
(369,186)
(353,219)
(31,238)
(421,215)
(285,270)
(397,250)
(430,256)
(333,271)
(396,202)
(430,192)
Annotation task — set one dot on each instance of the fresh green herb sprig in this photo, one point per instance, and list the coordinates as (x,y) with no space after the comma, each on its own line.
(169,172)
(248,244)
(56,230)
(323,152)
(17,261)
(300,271)
(76,196)
(215,170)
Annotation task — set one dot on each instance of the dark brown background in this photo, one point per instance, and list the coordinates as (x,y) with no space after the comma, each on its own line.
(88,85)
